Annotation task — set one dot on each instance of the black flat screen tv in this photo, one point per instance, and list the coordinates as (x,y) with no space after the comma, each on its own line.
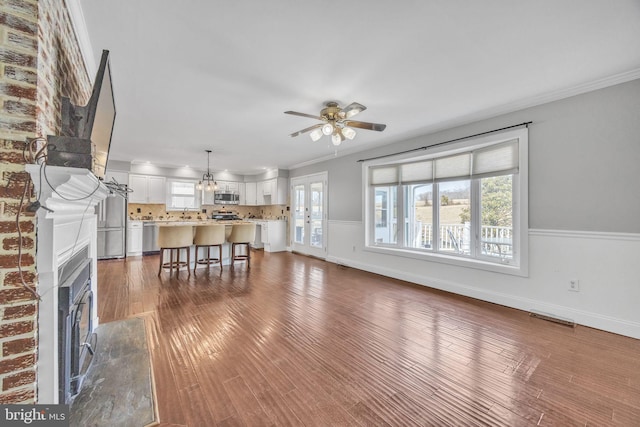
(87,130)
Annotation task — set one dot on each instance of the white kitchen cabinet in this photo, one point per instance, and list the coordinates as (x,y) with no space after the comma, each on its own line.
(138,185)
(157,189)
(275,191)
(260,193)
(147,189)
(241,193)
(250,193)
(207,196)
(268,187)
(273,235)
(228,186)
(134,238)
(268,192)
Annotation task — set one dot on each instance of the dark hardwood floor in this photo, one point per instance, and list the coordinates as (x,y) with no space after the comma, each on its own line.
(298,341)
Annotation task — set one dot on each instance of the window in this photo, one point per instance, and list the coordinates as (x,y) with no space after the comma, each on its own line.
(183,195)
(465,204)
(386,220)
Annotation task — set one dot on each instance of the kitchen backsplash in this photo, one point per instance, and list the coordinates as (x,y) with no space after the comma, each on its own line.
(265,212)
(156,211)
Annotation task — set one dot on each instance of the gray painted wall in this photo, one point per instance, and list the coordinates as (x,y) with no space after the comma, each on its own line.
(584,162)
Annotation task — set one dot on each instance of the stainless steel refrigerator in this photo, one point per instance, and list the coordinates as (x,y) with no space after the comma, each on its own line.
(112,226)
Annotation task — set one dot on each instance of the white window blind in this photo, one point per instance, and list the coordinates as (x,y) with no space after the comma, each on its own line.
(453,167)
(385,175)
(497,159)
(417,172)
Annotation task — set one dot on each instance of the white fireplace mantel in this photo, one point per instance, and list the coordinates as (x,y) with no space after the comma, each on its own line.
(69,225)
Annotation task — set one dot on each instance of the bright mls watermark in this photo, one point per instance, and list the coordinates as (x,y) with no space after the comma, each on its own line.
(34,415)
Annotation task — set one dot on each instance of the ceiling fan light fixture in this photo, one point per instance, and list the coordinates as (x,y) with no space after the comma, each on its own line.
(316,134)
(348,133)
(335,122)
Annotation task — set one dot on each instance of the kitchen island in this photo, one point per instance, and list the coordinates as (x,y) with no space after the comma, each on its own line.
(226,247)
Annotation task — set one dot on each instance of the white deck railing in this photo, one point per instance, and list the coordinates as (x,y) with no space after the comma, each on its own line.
(495,241)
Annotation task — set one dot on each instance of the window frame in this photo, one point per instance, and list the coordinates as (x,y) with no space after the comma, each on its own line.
(196,196)
(518,265)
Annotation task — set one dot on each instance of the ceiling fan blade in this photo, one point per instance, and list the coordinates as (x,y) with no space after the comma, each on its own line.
(365,125)
(300,132)
(311,116)
(352,109)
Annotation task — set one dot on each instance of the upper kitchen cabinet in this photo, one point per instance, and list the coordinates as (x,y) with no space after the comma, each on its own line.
(147,189)
(269,192)
(207,197)
(228,186)
(274,191)
(250,194)
(260,193)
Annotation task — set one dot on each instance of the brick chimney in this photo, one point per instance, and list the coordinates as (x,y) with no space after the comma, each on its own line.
(40,61)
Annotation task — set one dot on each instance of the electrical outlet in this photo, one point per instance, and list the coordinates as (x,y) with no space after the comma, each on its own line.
(574,285)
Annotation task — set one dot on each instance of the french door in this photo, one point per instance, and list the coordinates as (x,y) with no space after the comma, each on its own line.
(309,214)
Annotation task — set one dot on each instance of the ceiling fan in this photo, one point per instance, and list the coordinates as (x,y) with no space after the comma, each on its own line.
(336,121)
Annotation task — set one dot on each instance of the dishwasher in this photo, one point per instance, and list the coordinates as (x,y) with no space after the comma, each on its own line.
(150,238)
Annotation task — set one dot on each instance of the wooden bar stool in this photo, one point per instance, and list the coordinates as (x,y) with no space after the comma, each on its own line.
(242,235)
(175,238)
(208,236)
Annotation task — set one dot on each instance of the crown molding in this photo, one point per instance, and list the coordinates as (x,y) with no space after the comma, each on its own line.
(559,94)
(489,113)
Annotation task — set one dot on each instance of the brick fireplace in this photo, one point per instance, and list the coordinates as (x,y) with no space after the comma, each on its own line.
(66,238)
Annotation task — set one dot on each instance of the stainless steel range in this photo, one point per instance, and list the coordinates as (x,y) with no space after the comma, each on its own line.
(225,216)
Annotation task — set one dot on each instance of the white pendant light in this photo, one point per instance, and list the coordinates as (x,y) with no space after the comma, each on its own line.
(327,129)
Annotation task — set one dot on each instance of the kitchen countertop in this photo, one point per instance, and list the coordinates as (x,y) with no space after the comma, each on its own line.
(198,222)
(204,221)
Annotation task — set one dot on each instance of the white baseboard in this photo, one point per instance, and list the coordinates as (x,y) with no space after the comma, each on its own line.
(556,255)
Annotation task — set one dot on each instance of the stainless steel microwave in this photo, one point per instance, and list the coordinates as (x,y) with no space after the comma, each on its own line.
(225,198)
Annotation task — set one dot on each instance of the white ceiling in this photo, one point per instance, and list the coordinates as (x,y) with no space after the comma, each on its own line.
(193,75)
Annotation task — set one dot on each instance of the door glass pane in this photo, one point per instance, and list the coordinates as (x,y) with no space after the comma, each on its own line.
(419,211)
(298,213)
(317,215)
(386,215)
(455,217)
(496,203)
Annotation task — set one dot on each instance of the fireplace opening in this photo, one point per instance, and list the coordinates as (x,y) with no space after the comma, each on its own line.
(75,329)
